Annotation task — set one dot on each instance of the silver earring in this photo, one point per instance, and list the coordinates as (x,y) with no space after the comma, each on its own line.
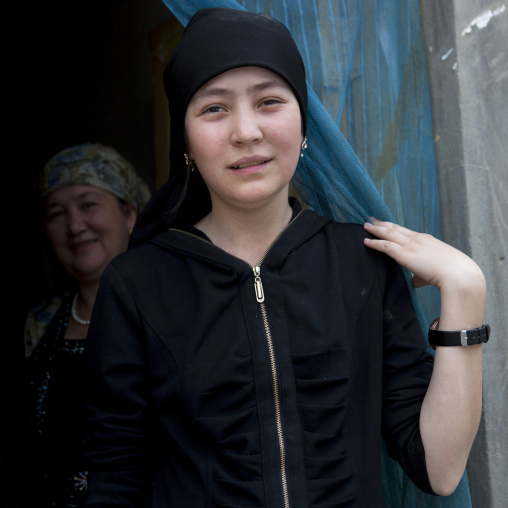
(303,146)
(189,162)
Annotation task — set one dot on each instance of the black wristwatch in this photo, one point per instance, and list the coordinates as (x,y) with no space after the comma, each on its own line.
(458,338)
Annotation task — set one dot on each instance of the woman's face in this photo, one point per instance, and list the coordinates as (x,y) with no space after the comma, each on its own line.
(87,227)
(244,133)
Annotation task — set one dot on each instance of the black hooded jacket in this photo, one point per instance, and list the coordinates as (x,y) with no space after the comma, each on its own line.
(202,396)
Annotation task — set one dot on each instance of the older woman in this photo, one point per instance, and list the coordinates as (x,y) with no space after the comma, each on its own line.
(90,198)
(246,352)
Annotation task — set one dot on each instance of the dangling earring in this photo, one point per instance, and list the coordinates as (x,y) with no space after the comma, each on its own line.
(189,163)
(303,146)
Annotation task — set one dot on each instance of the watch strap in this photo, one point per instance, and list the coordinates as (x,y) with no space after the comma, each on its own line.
(458,338)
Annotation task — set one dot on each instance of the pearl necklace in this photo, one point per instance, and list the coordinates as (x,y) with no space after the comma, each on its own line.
(83,322)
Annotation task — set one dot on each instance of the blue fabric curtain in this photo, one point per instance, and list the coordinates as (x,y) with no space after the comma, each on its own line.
(370,143)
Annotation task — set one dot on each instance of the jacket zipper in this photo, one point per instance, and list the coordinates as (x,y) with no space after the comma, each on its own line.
(276,397)
(260,298)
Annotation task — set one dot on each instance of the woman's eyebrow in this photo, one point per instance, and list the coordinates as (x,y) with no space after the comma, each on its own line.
(266,85)
(89,194)
(211,92)
(51,205)
(217,92)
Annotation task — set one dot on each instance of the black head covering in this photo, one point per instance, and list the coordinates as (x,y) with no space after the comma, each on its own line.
(215,40)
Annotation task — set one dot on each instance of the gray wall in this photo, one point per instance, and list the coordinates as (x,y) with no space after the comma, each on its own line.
(467,51)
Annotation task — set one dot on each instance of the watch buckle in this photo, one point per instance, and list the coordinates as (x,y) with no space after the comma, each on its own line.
(463,337)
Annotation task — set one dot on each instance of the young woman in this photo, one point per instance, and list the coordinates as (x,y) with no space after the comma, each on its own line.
(90,198)
(247,352)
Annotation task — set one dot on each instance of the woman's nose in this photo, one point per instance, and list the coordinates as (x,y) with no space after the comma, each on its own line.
(75,223)
(246,128)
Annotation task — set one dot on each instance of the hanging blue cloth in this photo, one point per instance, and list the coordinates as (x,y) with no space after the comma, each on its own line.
(365,65)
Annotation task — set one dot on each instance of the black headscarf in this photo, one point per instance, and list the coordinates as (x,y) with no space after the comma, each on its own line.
(215,40)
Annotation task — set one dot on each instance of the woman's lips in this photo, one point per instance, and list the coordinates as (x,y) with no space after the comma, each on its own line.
(82,245)
(249,165)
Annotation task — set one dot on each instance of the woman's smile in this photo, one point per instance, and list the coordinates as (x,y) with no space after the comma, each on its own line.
(246,122)
(86,227)
(83,245)
(248,165)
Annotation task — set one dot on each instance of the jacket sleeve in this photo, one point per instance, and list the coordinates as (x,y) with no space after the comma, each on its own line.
(407,368)
(117,443)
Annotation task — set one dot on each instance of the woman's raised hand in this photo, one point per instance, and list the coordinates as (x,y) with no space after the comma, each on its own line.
(453,400)
(430,260)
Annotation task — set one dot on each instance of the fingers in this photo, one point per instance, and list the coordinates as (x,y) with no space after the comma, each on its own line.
(388,236)
(391,248)
(415,251)
(388,230)
(429,259)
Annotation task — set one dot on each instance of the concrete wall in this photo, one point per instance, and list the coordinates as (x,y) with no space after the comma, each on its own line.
(467,50)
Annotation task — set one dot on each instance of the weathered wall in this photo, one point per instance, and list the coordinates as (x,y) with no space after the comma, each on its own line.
(467,44)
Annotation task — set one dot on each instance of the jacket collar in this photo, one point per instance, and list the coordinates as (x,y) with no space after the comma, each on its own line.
(303,226)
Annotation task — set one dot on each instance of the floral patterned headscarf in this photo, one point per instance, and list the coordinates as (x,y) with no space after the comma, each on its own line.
(97,165)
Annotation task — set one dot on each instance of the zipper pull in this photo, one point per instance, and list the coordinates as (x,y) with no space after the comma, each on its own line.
(258,286)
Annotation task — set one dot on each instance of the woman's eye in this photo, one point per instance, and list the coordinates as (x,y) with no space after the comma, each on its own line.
(270,102)
(88,204)
(53,215)
(213,109)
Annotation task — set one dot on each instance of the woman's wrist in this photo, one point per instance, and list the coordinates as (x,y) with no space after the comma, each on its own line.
(463,300)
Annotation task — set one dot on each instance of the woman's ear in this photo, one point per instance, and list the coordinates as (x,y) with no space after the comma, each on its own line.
(130,215)
(188,151)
